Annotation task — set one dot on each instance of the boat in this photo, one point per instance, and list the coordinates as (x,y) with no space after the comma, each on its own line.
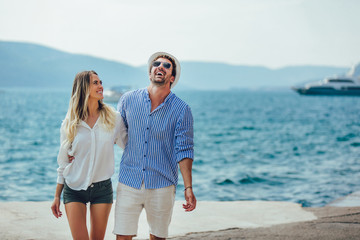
(113,94)
(348,84)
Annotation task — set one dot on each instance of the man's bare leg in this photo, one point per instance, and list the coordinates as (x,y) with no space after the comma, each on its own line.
(122,237)
(152,237)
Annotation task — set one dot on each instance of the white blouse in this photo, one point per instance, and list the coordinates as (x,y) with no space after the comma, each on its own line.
(93,149)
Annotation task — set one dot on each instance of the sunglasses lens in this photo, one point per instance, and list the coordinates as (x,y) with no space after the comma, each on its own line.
(156,64)
(166,65)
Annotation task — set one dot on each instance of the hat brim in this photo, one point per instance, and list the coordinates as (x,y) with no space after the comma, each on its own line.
(178,68)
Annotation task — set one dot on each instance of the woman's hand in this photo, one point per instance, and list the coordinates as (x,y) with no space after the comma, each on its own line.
(55,207)
(71,158)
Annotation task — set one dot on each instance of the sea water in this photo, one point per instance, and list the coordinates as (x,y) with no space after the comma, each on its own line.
(249,145)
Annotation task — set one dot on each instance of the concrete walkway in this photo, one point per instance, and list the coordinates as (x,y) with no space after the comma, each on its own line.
(34,220)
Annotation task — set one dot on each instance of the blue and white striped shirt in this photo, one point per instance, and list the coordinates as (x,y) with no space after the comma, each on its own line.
(157,140)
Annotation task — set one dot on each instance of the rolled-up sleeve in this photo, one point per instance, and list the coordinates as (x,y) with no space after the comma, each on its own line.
(184,136)
(62,158)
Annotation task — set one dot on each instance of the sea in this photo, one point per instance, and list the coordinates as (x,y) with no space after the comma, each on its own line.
(249,145)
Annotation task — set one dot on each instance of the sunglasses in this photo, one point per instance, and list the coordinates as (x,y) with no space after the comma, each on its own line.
(158,63)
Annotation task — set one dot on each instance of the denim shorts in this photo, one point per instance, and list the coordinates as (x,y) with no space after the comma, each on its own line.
(99,192)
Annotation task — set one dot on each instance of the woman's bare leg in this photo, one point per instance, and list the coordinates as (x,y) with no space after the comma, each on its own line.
(76,214)
(99,214)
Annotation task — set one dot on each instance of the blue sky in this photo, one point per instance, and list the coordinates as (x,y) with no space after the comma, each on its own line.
(271,33)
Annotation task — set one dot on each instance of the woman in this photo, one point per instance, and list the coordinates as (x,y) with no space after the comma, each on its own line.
(88,133)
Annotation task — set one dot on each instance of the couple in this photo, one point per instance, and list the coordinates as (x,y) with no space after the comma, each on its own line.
(154,127)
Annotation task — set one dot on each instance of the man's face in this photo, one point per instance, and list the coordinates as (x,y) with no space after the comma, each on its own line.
(160,74)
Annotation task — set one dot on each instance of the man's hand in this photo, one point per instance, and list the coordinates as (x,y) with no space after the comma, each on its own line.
(71,158)
(190,200)
(185,168)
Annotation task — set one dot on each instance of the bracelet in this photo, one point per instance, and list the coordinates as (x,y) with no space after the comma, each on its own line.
(187,188)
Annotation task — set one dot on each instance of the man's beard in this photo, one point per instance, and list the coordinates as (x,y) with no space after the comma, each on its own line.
(161,82)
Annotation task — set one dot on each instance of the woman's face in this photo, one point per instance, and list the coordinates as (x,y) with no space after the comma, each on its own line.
(96,88)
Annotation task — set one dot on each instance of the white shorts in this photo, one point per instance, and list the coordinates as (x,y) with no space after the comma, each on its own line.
(158,204)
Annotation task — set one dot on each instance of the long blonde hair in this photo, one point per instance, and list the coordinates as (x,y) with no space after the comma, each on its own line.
(78,107)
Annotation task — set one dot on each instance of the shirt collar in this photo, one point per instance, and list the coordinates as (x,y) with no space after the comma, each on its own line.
(84,124)
(147,97)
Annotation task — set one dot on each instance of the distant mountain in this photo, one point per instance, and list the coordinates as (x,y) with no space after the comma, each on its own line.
(224,76)
(31,65)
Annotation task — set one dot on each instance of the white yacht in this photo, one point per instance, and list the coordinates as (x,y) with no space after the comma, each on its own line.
(344,85)
(113,94)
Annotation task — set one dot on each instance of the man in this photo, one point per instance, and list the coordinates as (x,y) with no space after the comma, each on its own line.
(160,136)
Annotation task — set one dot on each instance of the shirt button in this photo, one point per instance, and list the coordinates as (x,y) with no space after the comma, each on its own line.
(143,169)
(144,155)
(145,141)
(92,185)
